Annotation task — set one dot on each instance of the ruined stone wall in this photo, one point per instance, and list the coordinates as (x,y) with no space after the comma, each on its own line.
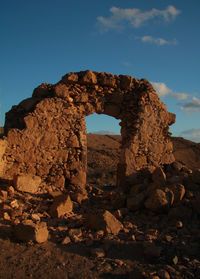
(46,134)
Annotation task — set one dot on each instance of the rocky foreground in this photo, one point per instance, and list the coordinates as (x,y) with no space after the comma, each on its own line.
(152,231)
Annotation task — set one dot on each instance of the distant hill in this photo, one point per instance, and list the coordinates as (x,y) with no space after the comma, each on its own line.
(104,152)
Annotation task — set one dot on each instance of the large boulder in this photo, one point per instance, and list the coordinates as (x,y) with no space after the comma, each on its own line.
(159,200)
(29,231)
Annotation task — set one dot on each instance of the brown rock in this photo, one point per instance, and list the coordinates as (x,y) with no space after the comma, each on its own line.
(104,221)
(6,216)
(62,204)
(66,240)
(179,192)
(78,197)
(89,78)
(159,177)
(27,231)
(70,78)
(75,233)
(98,252)
(3,194)
(159,200)
(27,183)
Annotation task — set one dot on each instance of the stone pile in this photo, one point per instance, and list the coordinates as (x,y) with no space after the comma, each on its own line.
(33,215)
(159,217)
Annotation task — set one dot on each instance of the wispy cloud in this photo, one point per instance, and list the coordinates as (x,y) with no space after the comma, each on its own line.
(135,17)
(191,105)
(127,64)
(162,90)
(192,134)
(157,41)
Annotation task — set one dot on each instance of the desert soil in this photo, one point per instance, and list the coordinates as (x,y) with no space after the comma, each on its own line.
(152,245)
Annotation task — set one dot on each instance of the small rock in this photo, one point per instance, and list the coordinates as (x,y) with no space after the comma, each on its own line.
(66,240)
(35,217)
(98,252)
(175,260)
(119,262)
(27,183)
(11,190)
(3,194)
(169,238)
(78,197)
(104,221)
(77,232)
(179,192)
(14,204)
(62,204)
(28,231)
(6,216)
(99,234)
(179,224)
(133,237)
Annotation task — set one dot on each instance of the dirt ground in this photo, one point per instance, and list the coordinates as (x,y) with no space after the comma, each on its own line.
(165,245)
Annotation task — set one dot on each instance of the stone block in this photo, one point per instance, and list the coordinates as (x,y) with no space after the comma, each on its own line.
(27,183)
(61,205)
(104,221)
(29,231)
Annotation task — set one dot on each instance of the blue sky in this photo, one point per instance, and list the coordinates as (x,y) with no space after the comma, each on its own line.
(159,40)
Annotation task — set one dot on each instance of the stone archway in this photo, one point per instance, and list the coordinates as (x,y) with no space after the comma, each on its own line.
(46,134)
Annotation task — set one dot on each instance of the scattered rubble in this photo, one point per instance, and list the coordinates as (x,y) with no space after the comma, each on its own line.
(149,221)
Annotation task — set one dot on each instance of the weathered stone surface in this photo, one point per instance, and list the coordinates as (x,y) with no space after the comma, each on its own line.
(104,221)
(27,230)
(48,131)
(3,145)
(27,183)
(62,204)
(159,200)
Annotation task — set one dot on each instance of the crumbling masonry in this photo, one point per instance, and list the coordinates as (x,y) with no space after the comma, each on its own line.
(46,134)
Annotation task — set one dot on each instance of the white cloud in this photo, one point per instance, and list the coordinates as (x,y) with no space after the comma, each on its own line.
(158,41)
(161,88)
(192,105)
(192,134)
(135,17)
(162,91)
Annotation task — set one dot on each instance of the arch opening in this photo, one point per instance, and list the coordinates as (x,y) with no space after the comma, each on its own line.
(103,150)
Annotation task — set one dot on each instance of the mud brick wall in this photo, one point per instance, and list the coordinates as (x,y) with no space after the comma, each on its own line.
(46,134)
